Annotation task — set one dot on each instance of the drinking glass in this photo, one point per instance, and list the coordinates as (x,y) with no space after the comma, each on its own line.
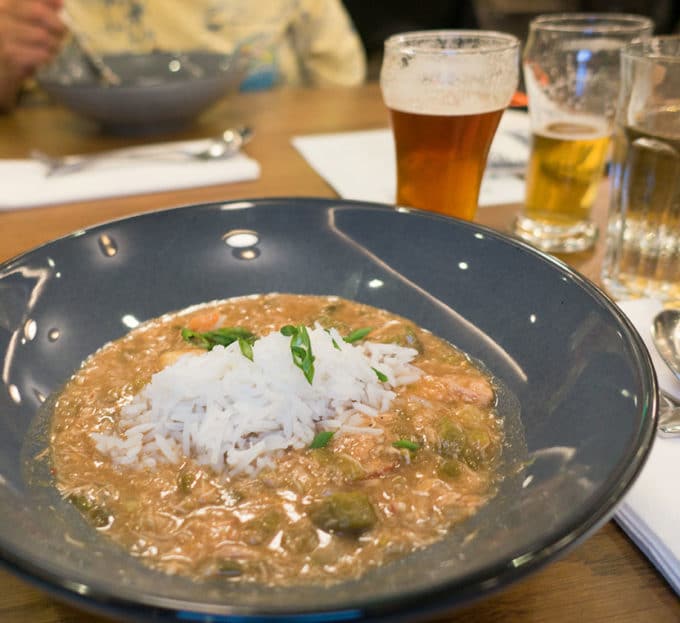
(642,256)
(571,72)
(446,91)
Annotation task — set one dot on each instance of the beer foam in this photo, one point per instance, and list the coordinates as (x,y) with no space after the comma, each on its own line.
(455,83)
(574,128)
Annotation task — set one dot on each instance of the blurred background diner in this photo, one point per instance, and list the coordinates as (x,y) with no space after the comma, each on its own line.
(282,42)
(307,42)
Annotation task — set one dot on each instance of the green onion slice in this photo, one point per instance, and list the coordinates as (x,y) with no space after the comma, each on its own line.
(405,443)
(222,337)
(246,348)
(381,377)
(321,439)
(357,334)
(301,349)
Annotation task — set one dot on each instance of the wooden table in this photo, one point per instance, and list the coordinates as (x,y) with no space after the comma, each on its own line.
(604,579)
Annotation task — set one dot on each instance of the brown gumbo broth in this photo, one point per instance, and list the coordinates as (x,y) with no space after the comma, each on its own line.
(317,514)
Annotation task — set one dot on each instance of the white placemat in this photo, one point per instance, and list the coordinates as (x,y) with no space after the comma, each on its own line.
(361,165)
(650,512)
(24,183)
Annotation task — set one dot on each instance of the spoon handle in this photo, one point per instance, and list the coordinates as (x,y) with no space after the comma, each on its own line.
(62,165)
(105,73)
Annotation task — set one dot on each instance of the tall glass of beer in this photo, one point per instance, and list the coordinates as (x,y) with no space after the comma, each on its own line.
(446,91)
(571,72)
(642,257)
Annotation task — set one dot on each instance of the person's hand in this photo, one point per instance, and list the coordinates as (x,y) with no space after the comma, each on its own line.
(30,34)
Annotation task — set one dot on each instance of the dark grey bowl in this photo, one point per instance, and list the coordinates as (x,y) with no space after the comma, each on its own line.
(578,390)
(160,91)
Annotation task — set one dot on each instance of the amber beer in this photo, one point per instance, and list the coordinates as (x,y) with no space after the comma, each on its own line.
(446,91)
(565,168)
(441,159)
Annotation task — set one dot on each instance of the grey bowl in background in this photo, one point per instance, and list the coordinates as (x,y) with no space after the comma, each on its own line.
(159,91)
(577,390)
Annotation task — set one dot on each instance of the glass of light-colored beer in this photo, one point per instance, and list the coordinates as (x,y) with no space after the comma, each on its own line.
(446,91)
(571,73)
(642,255)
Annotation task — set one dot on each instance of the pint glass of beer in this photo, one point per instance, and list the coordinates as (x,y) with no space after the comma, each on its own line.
(571,72)
(446,92)
(642,257)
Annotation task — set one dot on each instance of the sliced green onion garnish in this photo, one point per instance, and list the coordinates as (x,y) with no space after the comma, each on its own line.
(381,377)
(246,348)
(301,349)
(222,337)
(405,443)
(357,334)
(321,439)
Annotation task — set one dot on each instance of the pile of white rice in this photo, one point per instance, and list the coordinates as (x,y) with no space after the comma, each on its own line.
(235,414)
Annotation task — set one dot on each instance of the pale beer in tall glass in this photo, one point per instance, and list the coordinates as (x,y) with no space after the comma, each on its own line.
(642,257)
(446,92)
(571,73)
(564,172)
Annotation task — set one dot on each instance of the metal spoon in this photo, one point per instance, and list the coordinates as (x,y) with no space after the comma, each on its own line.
(224,145)
(666,336)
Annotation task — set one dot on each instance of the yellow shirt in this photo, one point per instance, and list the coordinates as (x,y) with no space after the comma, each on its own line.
(296,42)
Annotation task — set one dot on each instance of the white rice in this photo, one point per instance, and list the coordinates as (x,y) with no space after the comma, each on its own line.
(235,415)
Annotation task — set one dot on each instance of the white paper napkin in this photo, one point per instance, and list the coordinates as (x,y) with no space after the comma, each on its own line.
(650,512)
(361,165)
(25,185)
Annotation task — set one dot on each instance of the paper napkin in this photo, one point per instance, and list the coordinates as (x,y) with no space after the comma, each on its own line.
(650,511)
(361,165)
(24,183)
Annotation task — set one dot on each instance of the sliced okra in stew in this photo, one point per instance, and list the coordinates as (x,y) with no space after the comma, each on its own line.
(300,539)
(451,441)
(409,338)
(81,502)
(185,481)
(345,512)
(97,513)
(262,529)
(472,456)
(479,451)
(233,497)
(341,464)
(229,568)
(327,317)
(100,516)
(450,468)
(471,447)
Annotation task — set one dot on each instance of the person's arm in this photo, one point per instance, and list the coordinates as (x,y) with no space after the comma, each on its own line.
(30,34)
(330,50)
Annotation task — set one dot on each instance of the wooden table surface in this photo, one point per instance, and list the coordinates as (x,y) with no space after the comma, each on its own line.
(606,578)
